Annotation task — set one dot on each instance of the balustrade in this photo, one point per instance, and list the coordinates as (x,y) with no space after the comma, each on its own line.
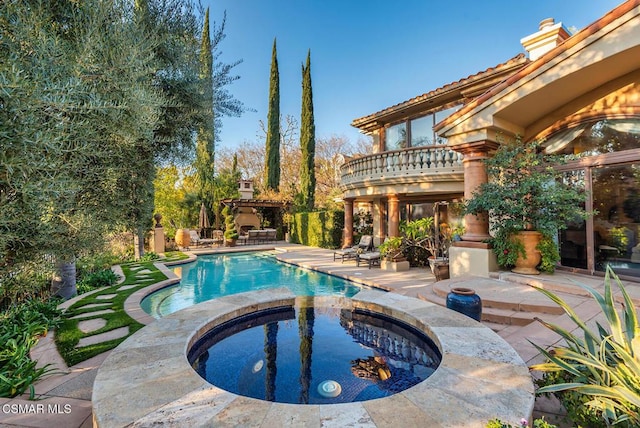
(412,161)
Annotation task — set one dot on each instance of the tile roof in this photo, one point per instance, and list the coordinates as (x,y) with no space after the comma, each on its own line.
(532,66)
(514,64)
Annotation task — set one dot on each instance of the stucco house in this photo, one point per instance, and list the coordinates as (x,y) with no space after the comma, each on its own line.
(579,93)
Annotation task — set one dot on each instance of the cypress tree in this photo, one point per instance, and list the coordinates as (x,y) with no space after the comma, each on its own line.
(205,142)
(272,167)
(307,140)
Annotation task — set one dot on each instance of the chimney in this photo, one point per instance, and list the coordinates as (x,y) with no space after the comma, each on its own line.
(245,187)
(548,37)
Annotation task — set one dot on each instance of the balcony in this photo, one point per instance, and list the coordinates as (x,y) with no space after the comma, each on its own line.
(414,171)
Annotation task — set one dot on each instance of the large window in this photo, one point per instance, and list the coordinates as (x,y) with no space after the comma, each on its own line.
(422,131)
(418,131)
(609,169)
(396,137)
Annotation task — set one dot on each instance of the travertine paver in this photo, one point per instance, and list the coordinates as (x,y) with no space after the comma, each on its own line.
(87,326)
(106,296)
(103,337)
(95,305)
(127,287)
(93,314)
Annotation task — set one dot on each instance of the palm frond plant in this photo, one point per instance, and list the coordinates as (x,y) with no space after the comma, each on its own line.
(603,365)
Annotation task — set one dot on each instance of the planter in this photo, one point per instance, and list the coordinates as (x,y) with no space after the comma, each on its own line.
(527,265)
(395,266)
(465,301)
(230,242)
(441,270)
(440,267)
(183,239)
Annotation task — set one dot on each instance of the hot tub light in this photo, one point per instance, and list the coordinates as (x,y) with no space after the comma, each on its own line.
(329,388)
(258,366)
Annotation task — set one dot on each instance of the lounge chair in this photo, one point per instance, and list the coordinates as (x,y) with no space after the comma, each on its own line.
(371,258)
(365,244)
(197,241)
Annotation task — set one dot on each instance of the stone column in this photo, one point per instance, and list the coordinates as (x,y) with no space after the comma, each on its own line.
(158,240)
(348,223)
(475,173)
(471,256)
(394,215)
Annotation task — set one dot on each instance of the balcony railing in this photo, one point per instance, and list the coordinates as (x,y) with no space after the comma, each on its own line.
(400,163)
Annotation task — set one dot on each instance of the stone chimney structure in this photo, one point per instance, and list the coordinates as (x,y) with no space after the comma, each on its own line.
(245,187)
(548,37)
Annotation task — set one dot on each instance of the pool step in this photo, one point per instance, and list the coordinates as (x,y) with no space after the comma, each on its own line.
(492,315)
(503,302)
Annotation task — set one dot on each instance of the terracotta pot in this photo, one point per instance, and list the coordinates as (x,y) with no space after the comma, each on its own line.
(183,238)
(230,242)
(527,265)
(441,271)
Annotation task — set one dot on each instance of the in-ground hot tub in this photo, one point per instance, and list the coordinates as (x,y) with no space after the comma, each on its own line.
(148,380)
(319,352)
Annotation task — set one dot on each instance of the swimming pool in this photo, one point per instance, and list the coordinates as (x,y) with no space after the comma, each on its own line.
(214,276)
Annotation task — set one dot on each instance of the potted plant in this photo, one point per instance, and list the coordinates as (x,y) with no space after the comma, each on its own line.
(527,202)
(230,234)
(392,257)
(434,240)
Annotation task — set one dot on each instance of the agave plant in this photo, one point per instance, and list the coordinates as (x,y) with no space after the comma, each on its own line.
(603,365)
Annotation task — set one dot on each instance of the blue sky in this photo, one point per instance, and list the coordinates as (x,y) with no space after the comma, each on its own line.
(369,55)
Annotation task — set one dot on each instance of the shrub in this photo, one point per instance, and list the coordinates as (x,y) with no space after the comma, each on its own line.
(149,256)
(538,423)
(317,229)
(101,278)
(603,366)
(20,328)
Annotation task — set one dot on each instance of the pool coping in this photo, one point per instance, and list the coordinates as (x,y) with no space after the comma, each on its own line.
(147,379)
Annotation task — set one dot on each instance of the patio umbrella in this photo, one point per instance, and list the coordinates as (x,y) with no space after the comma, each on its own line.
(203,219)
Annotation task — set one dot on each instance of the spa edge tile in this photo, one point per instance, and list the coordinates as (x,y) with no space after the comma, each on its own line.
(294,416)
(345,415)
(192,409)
(130,402)
(446,409)
(123,379)
(485,344)
(398,411)
(506,374)
(241,412)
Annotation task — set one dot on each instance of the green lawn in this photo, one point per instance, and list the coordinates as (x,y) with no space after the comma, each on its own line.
(137,275)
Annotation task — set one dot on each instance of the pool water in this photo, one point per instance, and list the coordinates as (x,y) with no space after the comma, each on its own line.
(213,276)
(314,355)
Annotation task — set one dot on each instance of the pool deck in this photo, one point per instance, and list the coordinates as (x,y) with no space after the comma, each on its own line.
(65,399)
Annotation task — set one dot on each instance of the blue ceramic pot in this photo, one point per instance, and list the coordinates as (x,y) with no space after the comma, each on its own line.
(465,301)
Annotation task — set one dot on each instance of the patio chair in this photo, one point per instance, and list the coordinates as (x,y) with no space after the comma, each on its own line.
(371,258)
(365,244)
(197,241)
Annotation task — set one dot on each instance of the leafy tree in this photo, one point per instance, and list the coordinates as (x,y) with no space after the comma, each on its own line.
(104,90)
(273,126)
(226,187)
(176,197)
(307,140)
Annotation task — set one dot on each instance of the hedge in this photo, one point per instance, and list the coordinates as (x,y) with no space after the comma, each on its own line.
(317,229)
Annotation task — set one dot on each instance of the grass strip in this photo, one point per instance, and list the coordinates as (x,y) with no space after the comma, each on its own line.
(68,334)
